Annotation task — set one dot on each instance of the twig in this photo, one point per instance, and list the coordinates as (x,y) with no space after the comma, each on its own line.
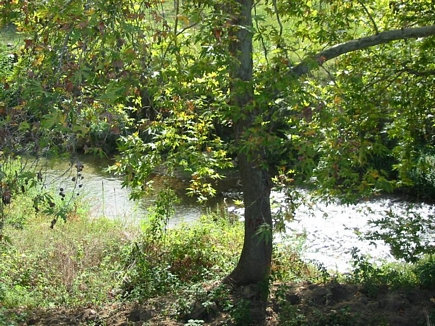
(370,16)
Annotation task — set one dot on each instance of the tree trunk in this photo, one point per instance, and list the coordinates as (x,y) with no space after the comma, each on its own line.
(255,260)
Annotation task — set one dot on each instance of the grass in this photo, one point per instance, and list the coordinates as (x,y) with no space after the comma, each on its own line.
(92,262)
(75,263)
(95,262)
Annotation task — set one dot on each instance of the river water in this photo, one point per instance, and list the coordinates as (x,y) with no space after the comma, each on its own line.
(326,233)
(104,193)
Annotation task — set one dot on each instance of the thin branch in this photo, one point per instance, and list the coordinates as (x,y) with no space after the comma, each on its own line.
(263,44)
(370,16)
(181,31)
(320,58)
(414,72)
(281,28)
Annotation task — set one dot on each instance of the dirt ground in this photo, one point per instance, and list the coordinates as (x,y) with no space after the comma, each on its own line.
(294,304)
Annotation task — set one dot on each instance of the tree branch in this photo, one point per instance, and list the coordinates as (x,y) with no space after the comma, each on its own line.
(425,73)
(363,43)
(370,16)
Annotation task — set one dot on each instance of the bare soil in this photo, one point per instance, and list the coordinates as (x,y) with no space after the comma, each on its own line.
(293,304)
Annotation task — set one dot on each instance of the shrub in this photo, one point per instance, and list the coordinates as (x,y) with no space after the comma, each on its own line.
(425,272)
(195,252)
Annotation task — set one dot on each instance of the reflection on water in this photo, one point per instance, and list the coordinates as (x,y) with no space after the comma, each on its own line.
(105,194)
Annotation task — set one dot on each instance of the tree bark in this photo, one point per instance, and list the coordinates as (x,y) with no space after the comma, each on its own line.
(255,260)
(256,257)
(320,58)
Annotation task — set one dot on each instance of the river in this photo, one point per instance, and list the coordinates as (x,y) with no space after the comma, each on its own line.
(326,233)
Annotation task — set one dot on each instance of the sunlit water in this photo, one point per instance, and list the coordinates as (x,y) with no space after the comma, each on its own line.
(333,230)
(325,233)
(105,195)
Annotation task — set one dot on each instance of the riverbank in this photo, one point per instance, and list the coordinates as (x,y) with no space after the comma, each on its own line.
(327,232)
(97,271)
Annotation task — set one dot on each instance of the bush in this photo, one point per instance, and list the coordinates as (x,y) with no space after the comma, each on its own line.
(425,272)
(407,232)
(194,252)
(423,177)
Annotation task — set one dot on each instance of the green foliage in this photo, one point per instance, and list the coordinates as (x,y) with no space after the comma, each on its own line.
(157,222)
(365,273)
(288,266)
(425,272)
(342,317)
(241,313)
(162,72)
(395,276)
(17,183)
(43,265)
(423,176)
(75,263)
(194,252)
(12,319)
(165,85)
(289,314)
(407,233)
(6,63)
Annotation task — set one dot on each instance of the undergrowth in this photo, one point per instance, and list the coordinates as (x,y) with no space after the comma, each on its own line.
(82,262)
(201,251)
(76,263)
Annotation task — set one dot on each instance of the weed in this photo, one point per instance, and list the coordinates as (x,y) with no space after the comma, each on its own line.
(287,265)
(366,273)
(425,272)
(195,252)
(8,318)
(163,209)
(241,313)
(76,263)
(288,314)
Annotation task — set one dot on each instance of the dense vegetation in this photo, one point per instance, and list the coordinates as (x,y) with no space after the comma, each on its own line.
(279,91)
(97,267)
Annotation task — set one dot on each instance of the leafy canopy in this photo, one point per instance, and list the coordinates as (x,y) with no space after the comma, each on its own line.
(154,76)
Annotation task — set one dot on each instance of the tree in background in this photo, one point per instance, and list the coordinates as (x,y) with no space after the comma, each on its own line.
(337,95)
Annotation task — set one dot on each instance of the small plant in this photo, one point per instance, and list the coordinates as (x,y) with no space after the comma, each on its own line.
(10,318)
(324,275)
(288,265)
(425,272)
(194,252)
(65,204)
(288,314)
(241,313)
(365,273)
(77,263)
(157,223)
(342,317)
(16,180)
(406,233)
